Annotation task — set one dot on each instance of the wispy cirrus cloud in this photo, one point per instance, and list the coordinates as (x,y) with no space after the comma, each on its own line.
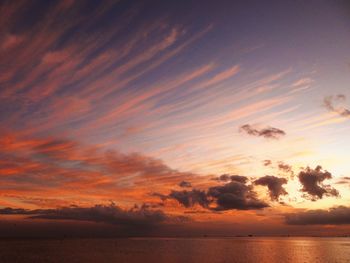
(39,168)
(106,101)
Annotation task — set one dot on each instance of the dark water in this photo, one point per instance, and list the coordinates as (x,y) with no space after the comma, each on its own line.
(269,250)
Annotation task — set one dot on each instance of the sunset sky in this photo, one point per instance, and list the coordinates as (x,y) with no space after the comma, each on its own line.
(175,117)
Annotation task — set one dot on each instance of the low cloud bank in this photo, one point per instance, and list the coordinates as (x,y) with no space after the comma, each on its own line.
(334,216)
(110,214)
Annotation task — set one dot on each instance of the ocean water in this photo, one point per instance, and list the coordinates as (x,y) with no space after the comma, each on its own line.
(171,250)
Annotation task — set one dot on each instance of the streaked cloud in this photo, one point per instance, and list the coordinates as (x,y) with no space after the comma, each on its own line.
(134,103)
(51,165)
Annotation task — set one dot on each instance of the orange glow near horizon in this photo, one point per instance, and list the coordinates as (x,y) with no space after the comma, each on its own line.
(187,115)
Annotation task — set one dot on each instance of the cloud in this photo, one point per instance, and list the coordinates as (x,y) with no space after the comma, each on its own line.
(227,177)
(286,168)
(17,211)
(344,180)
(312,182)
(282,167)
(267,162)
(10,41)
(334,104)
(39,168)
(110,214)
(334,216)
(274,184)
(302,82)
(190,198)
(235,195)
(223,76)
(269,132)
(185,184)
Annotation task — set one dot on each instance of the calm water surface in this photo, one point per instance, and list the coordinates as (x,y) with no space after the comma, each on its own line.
(269,250)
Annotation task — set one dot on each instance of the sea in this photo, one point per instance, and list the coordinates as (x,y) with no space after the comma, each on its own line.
(176,250)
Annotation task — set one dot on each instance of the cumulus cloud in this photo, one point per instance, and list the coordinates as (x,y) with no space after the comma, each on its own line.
(185,184)
(235,195)
(335,104)
(274,184)
(286,168)
(110,214)
(282,167)
(228,177)
(312,183)
(334,216)
(190,198)
(269,132)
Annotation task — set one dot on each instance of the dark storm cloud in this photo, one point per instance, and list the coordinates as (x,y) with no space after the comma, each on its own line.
(185,184)
(274,184)
(312,182)
(269,132)
(110,214)
(227,177)
(190,198)
(334,216)
(235,195)
(333,103)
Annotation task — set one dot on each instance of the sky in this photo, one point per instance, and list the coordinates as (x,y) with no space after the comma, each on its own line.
(164,118)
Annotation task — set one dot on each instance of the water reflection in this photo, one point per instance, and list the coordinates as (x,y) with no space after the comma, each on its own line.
(262,250)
